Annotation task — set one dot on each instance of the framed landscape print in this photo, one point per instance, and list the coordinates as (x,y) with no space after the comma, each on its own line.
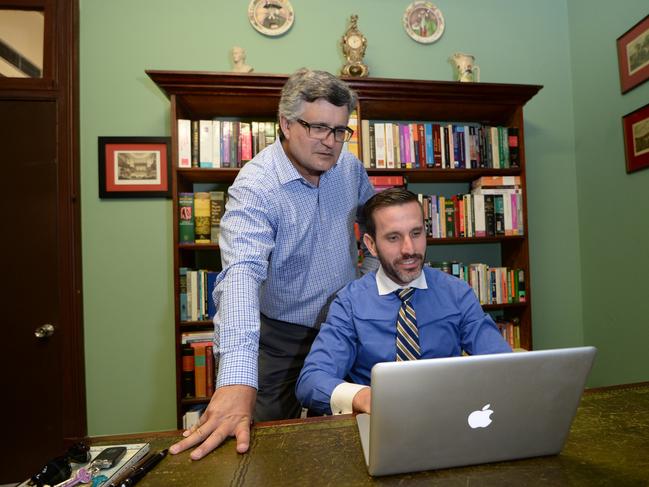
(636,139)
(633,55)
(134,167)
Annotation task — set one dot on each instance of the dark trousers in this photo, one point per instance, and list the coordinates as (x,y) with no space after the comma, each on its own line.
(282,349)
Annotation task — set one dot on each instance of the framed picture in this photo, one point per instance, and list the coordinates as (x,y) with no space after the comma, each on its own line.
(271,17)
(636,139)
(134,167)
(633,55)
(423,22)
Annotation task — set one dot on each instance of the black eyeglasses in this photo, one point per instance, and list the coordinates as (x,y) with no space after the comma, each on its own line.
(321,132)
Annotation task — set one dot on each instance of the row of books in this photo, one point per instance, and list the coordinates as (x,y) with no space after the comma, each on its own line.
(492,285)
(493,208)
(198,364)
(411,145)
(511,332)
(196,288)
(199,216)
(222,143)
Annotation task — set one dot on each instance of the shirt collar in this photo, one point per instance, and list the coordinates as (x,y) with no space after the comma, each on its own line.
(386,285)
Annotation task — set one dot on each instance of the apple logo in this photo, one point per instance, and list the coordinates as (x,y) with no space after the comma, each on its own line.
(480,419)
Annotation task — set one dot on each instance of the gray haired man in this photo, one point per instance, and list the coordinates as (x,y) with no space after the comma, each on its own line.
(287,246)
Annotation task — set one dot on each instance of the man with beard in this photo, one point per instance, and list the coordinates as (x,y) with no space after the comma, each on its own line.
(366,321)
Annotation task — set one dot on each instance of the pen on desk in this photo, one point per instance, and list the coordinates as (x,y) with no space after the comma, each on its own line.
(146,467)
(116,482)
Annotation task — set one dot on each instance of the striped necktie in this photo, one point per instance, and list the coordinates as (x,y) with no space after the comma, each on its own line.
(407,334)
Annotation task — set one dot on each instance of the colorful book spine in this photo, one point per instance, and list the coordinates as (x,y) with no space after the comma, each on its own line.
(206,143)
(209,371)
(430,153)
(184,143)
(352,144)
(513,144)
(196,137)
(182,287)
(188,387)
(217,208)
(199,369)
(202,229)
(186,217)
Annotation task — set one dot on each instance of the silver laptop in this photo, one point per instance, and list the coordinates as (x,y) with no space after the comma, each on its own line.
(448,412)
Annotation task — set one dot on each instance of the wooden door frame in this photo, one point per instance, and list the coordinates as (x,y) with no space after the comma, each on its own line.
(60,83)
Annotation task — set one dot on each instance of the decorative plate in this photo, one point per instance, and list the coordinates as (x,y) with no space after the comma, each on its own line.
(423,22)
(271,17)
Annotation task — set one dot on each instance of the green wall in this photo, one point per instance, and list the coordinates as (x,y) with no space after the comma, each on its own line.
(127,248)
(613,205)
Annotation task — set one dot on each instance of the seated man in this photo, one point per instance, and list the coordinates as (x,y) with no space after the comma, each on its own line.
(404,311)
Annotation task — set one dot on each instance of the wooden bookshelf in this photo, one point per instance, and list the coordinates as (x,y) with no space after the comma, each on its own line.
(203,95)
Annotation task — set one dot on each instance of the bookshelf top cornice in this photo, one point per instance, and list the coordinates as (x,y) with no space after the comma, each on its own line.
(202,93)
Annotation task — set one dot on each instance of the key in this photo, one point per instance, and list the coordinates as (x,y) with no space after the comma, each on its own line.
(82,477)
(98,480)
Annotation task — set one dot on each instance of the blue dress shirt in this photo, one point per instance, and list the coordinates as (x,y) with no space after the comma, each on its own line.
(287,247)
(360,331)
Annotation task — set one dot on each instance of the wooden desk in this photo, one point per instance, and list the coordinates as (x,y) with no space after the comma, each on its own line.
(608,446)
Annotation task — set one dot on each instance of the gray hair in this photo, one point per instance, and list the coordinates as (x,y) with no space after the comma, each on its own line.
(306,85)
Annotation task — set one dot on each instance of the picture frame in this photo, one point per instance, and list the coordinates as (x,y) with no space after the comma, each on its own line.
(635,126)
(134,167)
(633,55)
(271,17)
(423,22)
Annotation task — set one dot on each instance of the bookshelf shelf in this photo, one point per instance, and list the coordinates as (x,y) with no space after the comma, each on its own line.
(208,95)
(194,247)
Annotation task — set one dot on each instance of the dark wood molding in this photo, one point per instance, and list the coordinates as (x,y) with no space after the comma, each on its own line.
(60,84)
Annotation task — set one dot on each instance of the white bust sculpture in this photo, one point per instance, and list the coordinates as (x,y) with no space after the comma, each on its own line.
(239,60)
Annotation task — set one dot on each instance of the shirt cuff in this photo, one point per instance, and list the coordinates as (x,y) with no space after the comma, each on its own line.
(342,397)
(237,368)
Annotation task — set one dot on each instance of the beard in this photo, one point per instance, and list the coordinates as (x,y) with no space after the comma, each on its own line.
(400,275)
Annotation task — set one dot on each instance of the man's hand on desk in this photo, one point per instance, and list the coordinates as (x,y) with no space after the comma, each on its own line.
(229,413)
(362,401)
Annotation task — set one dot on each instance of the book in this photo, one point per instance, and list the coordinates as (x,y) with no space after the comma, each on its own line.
(184,143)
(192,416)
(216,143)
(182,286)
(514,151)
(389,146)
(209,370)
(199,369)
(352,145)
(202,229)
(186,218)
(206,141)
(379,145)
(245,141)
(211,284)
(217,208)
(196,137)
(188,386)
(365,142)
(497,182)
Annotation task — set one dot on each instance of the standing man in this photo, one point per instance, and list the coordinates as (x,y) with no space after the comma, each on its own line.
(287,246)
(404,311)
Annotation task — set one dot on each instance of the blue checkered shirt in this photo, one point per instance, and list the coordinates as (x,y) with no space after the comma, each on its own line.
(286,248)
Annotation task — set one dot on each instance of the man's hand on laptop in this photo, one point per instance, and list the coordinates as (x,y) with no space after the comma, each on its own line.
(229,413)
(362,400)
